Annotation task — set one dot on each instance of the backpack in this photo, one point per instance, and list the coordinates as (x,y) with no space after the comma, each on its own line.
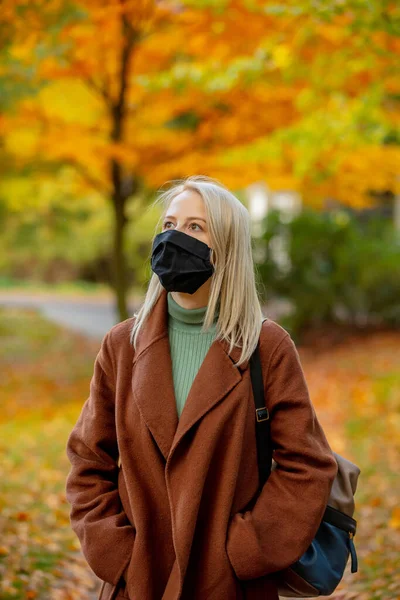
(321,568)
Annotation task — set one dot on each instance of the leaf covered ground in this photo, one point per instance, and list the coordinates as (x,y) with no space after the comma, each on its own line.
(355,388)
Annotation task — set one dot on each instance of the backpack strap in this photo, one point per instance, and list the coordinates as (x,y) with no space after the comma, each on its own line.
(262,421)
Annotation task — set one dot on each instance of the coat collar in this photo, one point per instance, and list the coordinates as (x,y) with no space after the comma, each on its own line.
(152,380)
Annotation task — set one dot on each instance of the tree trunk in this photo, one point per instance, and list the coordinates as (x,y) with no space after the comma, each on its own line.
(119,262)
(121,192)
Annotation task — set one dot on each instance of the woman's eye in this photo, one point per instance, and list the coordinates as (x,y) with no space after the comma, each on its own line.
(196,226)
(165,225)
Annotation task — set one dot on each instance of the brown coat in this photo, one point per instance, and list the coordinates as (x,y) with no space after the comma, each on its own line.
(172,522)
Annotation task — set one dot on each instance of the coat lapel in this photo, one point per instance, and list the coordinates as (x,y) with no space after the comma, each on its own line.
(153,387)
(214,379)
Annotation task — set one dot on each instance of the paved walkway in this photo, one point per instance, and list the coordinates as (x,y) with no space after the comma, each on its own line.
(90,315)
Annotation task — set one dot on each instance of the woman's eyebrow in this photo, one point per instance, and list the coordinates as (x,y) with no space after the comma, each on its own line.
(188,218)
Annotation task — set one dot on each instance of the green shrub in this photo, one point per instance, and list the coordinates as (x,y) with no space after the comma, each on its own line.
(334,268)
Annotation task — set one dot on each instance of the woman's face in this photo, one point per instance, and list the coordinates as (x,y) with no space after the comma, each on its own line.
(187,213)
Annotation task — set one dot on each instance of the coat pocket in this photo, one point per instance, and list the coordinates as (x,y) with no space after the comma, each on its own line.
(262,588)
(108,591)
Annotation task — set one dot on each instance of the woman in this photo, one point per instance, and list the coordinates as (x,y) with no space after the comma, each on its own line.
(164,479)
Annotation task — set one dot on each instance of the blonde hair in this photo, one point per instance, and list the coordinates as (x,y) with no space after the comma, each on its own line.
(233,281)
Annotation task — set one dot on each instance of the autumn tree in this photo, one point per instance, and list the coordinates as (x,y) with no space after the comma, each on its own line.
(131,94)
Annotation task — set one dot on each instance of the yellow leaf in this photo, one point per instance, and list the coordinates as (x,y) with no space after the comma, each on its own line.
(394,522)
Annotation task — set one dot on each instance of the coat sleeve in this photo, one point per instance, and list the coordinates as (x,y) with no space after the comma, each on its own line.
(285,518)
(97,517)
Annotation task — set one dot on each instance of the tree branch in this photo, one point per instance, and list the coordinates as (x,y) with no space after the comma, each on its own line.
(100,90)
(93,181)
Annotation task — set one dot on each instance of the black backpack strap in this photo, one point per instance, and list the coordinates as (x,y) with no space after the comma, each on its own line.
(262,420)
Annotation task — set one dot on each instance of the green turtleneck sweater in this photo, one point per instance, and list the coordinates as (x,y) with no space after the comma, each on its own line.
(188,346)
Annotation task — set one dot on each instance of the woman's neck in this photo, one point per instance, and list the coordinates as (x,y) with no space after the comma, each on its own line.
(197,300)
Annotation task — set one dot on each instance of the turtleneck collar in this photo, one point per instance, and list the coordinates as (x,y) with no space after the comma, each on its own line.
(191,316)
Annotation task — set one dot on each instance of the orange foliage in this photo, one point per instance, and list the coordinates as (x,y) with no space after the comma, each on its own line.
(200,82)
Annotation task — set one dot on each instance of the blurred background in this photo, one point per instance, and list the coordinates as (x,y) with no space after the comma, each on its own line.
(295,106)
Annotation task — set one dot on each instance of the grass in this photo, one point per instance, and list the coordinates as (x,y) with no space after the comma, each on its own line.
(46,372)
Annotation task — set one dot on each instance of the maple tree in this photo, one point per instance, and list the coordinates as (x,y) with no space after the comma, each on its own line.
(303,95)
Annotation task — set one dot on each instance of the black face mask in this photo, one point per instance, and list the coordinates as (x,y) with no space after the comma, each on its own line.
(181,261)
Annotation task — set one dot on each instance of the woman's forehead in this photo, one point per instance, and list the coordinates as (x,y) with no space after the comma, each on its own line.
(188,203)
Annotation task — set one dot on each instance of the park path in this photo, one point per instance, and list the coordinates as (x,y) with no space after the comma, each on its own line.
(90,315)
